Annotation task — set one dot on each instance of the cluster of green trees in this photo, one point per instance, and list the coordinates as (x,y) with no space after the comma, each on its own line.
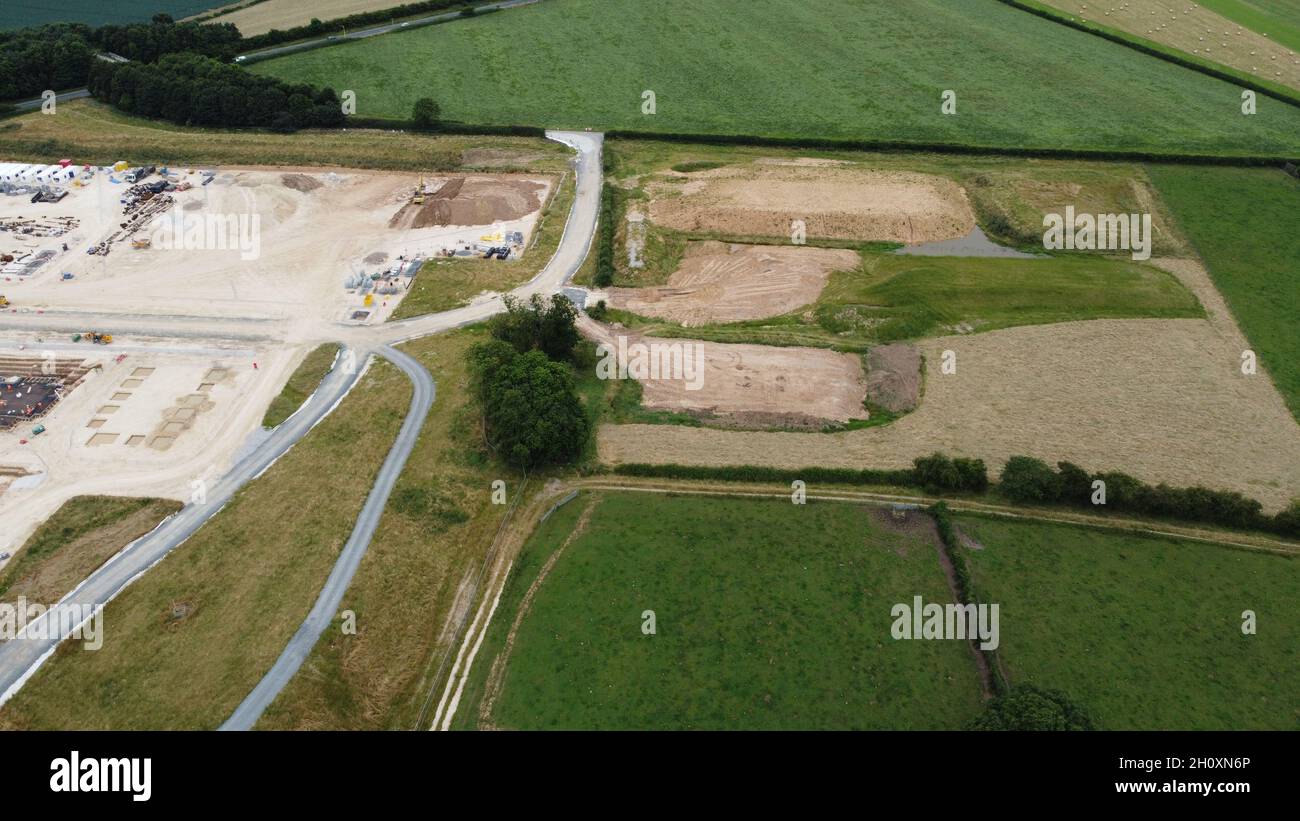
(524,381)
(937,472)
(60,55)
(189,89)
(1033,481)
(1027,707)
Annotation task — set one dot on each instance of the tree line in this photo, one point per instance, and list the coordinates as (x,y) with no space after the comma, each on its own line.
(190,89)
(60,55)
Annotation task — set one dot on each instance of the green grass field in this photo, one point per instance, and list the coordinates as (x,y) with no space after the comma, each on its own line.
(892,297)
(1144,632)
(767,616)
(1279,19)
(1243,223)
(302,383)
(877,73)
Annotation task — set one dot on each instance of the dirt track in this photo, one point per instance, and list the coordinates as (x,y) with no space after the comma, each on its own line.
(718,282)
(762,199)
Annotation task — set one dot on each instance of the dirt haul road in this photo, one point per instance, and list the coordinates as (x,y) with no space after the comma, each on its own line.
(19,659)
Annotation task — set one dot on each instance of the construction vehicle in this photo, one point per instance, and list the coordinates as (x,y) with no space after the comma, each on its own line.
(38,430)
(418,199)
(4,301)
(140,244)
(97,338)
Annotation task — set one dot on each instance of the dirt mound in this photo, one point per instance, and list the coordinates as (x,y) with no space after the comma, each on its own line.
(838,202)
(472,201)
(300,182)
(729,283)
(894,377)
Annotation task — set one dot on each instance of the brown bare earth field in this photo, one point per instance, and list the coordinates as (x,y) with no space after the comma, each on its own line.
(835,202)
(260,18)
(1163,400)
(717,282)
(753,385)
(1196,30)
(472,201)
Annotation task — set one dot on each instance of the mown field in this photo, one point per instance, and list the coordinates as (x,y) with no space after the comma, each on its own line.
(1243,224)
(188,640)
(90,132)
(767,616)
(1144,632)
(877,73)
(1279,19)
(20,13)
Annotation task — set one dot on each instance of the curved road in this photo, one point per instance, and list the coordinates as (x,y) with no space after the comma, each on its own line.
(21,657)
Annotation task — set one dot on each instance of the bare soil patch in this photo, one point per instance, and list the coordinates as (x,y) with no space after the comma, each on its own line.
(833,201)
(1163,400)
(894,377)
(472,201)
(752,385)
(300,182)
(718,282)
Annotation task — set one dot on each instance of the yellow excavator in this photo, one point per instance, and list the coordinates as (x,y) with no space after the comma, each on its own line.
(4,301)
(418,199)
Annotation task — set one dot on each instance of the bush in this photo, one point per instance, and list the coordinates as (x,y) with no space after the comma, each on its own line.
(598,311)
(1031,708)
(1028,480)
(425,114)
(605,241)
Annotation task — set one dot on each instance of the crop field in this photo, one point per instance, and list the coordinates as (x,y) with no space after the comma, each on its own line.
(877,73)
(1144,632)
(1279,19)
(1243,223)
(767,616)
(21,13)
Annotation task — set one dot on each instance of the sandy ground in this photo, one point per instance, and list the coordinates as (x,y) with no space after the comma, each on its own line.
(763,199)
(1193,29)
(1163,400)
(307,231)
(752,385)
(260,18)
(163,417)
(718,282)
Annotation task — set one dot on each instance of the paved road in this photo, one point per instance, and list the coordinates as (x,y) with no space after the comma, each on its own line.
(327,604)
(28,105)
(20,658)
(279,51)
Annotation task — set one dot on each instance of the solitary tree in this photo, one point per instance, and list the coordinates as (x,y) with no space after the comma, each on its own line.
(425,114)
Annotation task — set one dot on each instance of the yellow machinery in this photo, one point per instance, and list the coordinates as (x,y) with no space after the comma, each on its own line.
(418,199)
(4,301)
(140,244)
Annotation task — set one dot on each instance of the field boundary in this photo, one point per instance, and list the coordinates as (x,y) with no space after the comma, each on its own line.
(1217,71)
(1250,542)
